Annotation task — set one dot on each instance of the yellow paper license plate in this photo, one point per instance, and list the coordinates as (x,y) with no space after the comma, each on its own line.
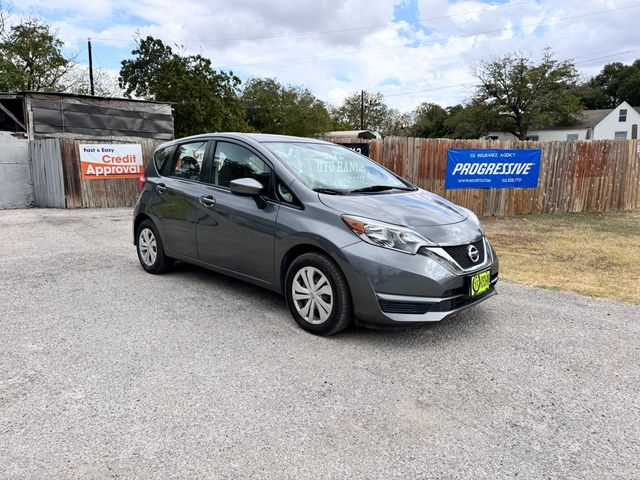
(480,283)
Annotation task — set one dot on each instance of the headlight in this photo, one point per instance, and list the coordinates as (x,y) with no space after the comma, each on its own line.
(386,235)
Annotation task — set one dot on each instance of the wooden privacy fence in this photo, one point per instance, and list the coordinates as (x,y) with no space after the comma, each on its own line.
(584,176)
(58,176)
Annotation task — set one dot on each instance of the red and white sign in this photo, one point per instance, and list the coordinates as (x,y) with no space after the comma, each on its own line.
(102,162)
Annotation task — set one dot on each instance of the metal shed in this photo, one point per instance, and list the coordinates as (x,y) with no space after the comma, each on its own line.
(38,134)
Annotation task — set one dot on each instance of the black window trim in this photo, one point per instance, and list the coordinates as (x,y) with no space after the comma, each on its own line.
(623,112)
(297,204)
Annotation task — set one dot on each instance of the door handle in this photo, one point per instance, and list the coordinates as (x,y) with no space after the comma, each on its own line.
(208,201)
(161,188)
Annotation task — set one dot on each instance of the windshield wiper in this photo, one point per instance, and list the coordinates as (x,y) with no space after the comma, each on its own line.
(329,191)
(379,188)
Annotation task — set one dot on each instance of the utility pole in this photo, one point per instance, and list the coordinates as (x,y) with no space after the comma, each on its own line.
(90,67)
(361,109)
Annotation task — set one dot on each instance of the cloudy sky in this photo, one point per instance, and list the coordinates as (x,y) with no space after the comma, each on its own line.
(410,50)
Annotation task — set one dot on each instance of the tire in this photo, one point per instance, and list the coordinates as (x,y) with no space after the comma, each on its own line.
(330,288)
(150,249)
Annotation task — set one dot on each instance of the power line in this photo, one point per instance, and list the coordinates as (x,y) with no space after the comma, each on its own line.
(371,27)
(426,42)
(427,90)
(344,30)
(596,53)
(397,94)
(606,56)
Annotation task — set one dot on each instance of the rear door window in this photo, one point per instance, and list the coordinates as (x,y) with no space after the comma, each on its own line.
(188,160)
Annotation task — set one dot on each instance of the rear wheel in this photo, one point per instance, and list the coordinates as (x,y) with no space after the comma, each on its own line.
(318,294)
(150,249)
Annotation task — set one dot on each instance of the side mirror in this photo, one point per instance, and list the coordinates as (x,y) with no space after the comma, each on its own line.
(246,186)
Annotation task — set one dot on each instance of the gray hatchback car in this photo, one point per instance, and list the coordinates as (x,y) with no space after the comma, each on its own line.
(344,239)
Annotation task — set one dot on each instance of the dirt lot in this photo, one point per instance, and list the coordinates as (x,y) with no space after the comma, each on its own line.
(593,254)
(109,372)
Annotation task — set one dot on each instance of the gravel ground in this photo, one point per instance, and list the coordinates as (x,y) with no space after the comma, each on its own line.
(108,372)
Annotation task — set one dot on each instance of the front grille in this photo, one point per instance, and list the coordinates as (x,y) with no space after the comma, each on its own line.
(460,254)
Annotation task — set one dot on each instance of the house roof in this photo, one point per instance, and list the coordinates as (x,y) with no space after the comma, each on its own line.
(587,119)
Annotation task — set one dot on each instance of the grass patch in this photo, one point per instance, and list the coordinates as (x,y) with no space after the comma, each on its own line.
(595,254)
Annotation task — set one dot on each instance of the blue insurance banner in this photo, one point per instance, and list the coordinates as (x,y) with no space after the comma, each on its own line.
(492,168)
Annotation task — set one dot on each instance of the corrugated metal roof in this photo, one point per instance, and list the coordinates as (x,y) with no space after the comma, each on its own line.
(54,114)
(73,95)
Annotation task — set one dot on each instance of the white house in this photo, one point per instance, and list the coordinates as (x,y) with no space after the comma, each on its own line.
(606,124)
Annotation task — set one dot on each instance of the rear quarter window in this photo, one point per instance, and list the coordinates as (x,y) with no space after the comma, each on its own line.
(160,158)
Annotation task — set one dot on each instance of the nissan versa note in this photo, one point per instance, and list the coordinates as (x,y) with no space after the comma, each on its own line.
(344,239)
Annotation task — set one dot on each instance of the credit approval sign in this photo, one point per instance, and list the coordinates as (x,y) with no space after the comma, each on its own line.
(489,168)
(103,162)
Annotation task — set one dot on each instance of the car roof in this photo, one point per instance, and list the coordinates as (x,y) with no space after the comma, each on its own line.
(256,137)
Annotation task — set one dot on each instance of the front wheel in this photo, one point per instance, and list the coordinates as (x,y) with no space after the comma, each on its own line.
(150,249)
(318,294)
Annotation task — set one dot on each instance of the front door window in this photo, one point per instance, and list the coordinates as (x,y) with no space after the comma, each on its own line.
(232,161)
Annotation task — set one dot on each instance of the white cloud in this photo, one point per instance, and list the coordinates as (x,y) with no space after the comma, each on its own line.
(275,38)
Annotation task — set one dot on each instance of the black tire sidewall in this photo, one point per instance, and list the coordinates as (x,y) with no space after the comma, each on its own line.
(340,317)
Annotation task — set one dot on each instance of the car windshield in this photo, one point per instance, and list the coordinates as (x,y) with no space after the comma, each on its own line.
(327,168)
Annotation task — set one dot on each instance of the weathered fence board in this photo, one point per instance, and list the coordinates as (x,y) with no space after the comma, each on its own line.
(584,176)
(58,176)
(100,193)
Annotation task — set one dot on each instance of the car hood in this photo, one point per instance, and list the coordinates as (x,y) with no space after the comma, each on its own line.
(430,215)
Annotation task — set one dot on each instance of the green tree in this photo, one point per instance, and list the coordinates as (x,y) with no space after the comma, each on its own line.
(31,57)
(471,121)
(105,83)
(528,94)
(271,107)
(614,84)
(395,123)
(428,121)
(203,99)
(375,117)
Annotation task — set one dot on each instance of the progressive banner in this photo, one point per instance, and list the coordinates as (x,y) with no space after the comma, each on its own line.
(492,168)
(103,162)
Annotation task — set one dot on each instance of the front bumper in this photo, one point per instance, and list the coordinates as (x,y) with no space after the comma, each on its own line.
(394,288)
(401,308)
